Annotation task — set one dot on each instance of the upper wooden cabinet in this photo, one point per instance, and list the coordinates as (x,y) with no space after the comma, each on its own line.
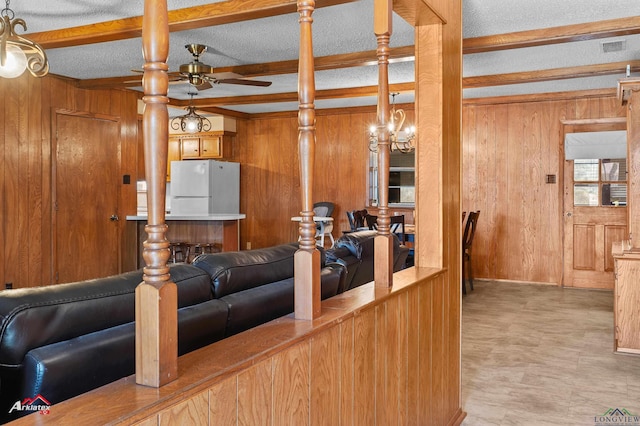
(205,145)
(198,146)
(190,147)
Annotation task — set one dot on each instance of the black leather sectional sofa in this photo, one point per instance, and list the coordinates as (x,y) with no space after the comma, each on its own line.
(59,341)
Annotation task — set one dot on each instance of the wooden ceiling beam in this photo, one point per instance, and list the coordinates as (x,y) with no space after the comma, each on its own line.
(200,16)
(565,34)
(323,63)
(353,92)
(226,112)
(548,75)
(553,96)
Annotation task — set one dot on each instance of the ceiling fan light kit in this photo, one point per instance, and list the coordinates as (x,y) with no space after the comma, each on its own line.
(18,54)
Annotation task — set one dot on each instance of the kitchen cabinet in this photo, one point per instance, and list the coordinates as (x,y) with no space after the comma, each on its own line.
(205,146)
(210,145)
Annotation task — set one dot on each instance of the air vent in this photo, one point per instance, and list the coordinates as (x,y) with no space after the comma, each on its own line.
(614,46)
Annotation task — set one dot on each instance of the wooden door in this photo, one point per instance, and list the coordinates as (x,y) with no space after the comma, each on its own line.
(85,179)
(589,232)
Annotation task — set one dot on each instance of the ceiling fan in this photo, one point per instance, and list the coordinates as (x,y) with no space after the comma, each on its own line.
(202,77)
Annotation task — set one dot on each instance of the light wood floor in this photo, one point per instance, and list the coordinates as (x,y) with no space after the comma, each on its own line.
(542,355)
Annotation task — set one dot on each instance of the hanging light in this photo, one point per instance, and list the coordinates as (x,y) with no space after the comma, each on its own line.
(400,139)
(18,54)
(191,122)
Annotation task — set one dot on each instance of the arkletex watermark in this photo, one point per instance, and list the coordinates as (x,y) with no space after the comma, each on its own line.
(31,405)
(617,416)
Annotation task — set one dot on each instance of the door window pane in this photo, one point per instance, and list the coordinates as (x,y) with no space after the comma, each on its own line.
(585,170)
(614,170)
(614,194)
(585,194)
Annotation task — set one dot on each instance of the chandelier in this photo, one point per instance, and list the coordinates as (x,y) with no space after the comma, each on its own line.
(400,139)
(18,54)
(191,122)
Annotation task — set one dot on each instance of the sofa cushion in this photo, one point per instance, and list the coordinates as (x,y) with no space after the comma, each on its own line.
(194,284)
(233,272)
(65,369)
(258,305)
(200,325)
(34,317)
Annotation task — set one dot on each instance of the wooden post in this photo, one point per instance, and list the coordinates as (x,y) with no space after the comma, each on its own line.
(307,258)
(383,244)
(629,95)
(156,296)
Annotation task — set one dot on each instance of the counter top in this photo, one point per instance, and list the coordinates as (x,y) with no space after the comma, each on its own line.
(229,216)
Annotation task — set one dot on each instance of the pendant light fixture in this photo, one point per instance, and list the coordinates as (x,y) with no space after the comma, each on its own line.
(191,122)
(18,54)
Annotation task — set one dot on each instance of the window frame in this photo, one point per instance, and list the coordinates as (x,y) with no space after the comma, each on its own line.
(373,179)
(600,183)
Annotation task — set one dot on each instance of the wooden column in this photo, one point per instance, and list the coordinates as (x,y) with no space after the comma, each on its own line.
(156,296)
(430,230)
(383,244)
(629,95)
(307,258)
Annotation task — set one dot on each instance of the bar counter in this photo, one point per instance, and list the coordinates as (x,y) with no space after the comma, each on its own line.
(223,230)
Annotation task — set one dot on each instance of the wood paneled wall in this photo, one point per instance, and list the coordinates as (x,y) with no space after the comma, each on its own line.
(267,148)
(26,107)
(509,147)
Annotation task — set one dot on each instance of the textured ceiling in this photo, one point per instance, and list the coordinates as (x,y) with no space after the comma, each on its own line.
(338,29)
(488,17)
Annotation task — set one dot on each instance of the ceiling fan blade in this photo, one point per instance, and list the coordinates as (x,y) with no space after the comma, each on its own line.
(234,78)
(204,86)
(244,82)
(224,75)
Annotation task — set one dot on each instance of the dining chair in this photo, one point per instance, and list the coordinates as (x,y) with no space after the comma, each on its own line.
(396,225)
(467,244)
(324,209)
(356,220)
(371,221)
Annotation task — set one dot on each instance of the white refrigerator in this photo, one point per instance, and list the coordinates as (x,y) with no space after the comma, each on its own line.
(205,187)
